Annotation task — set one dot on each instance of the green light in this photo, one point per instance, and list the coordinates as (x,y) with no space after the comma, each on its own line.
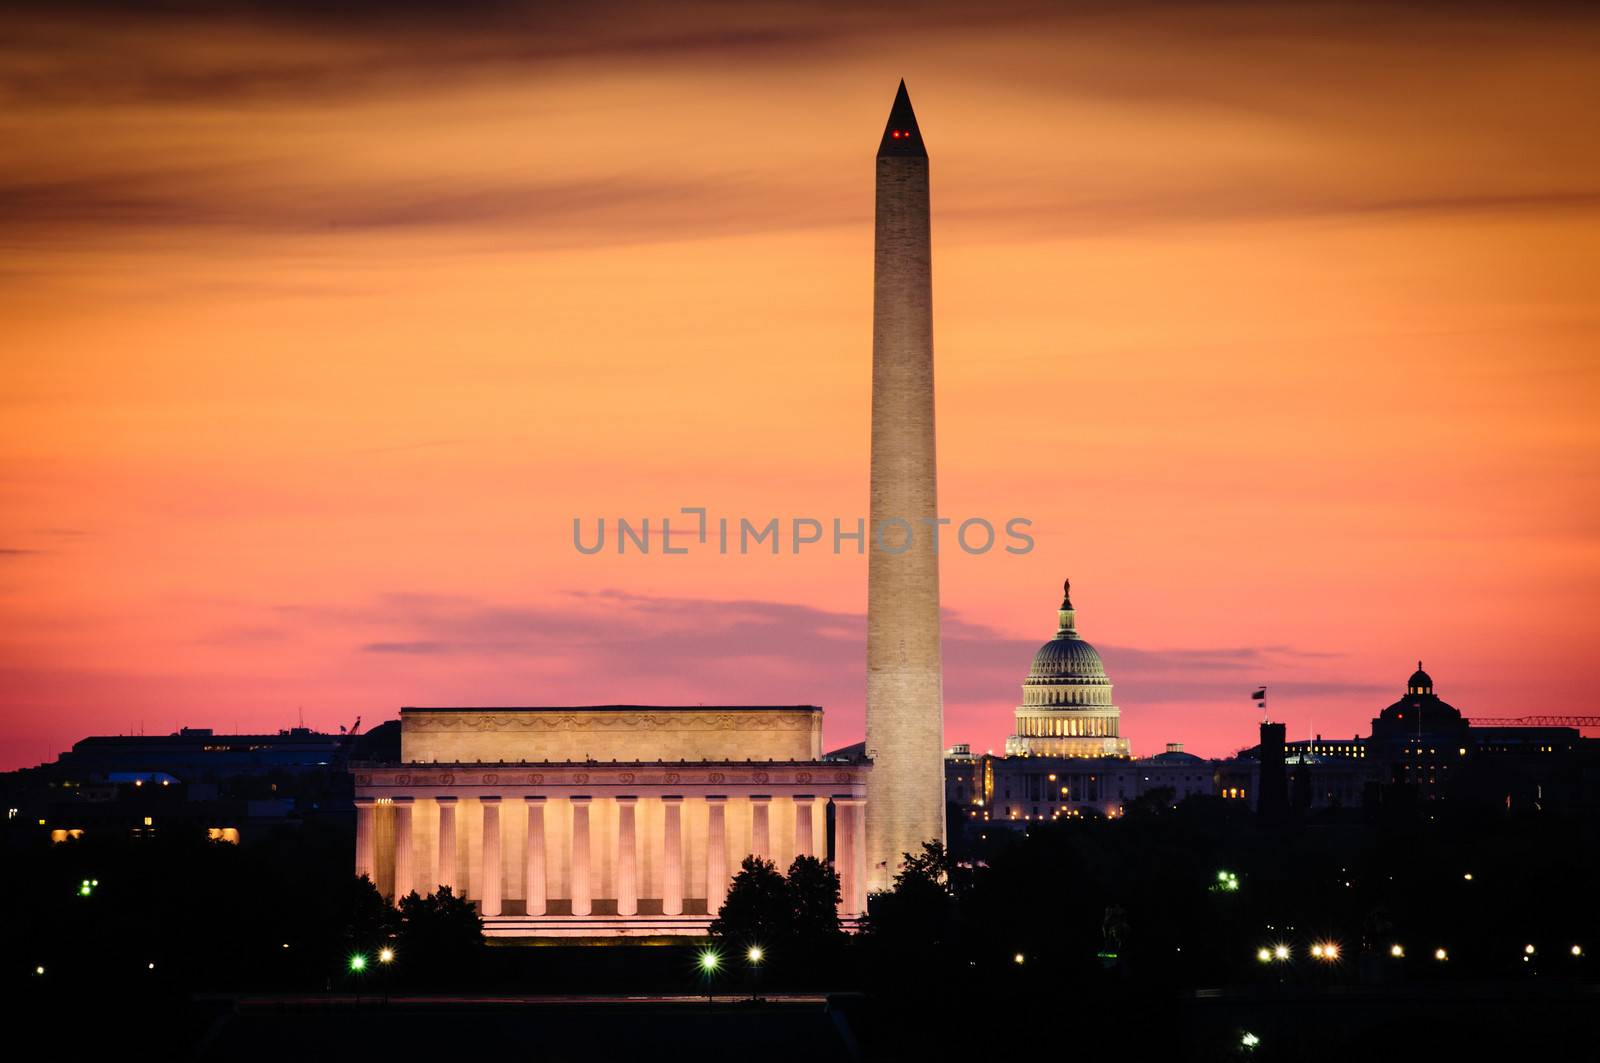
(1249,1040)
(358,962)
(709,961)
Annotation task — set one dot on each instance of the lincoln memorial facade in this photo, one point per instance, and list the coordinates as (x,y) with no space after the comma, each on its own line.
(606,820)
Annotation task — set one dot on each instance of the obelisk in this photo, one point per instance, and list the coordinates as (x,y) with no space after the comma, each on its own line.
(905,698)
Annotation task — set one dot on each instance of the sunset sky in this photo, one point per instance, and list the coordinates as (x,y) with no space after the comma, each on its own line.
(1280,322)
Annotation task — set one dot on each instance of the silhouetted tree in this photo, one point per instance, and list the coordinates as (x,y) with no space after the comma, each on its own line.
(919,914)
(440,935)
(757,910)
(813,903)
(368,920)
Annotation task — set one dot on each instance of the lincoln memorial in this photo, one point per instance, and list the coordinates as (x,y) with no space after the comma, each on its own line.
(606,820)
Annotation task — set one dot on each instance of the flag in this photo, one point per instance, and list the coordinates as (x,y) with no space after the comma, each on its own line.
(1260,695)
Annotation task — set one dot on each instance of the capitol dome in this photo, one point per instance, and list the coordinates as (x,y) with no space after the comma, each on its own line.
(1066,705)
(1067,658)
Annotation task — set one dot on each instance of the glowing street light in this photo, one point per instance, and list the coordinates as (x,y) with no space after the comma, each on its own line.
(1577,950)
(358,963)
(1327,950)
(755,954)
(1019,959)
(1527,950)
(1280,952)
(1441,955)
(39,970)
(1249,1040)
(1397,951)
(709,962)
(386,955)
(1264,955)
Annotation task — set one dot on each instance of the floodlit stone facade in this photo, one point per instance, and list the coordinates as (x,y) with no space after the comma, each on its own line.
(905,700)
(606,820)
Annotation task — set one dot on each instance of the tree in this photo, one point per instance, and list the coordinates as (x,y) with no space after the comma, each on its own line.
(757,910)
(440,933)
(919,914)
(368,920)
(813,903)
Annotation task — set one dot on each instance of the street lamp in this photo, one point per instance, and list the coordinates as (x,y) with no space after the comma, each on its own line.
(1280,952)
(1441,955)
(358,963)
(386,957)
(1264,955)
(1019,959)
(1397,951)
(755,955)
(709,960)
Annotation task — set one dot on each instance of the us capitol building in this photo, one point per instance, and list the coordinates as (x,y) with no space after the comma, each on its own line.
(1066,708)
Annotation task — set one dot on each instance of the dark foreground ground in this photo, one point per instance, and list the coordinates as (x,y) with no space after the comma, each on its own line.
(545,1030)
(1467,1021)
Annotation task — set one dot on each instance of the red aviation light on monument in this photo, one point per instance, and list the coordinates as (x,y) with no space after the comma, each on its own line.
(902,136)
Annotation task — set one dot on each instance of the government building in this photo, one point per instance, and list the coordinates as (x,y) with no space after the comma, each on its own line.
(1066,760)
(609,820)
(1066,708)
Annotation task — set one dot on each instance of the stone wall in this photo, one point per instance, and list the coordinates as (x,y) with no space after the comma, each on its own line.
(622,733)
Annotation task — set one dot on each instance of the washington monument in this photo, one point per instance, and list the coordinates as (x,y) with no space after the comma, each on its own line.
(905,698)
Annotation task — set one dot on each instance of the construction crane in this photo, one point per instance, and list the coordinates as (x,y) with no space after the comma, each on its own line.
(346,739)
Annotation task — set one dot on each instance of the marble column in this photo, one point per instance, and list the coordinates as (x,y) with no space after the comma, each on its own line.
(760,826)
(849,855)
(672,856)
(494,876)
(582,902)
(364,861)
(534,875)
(405,874)
(627,855)
(716,852)
(445,866)
(803,845)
